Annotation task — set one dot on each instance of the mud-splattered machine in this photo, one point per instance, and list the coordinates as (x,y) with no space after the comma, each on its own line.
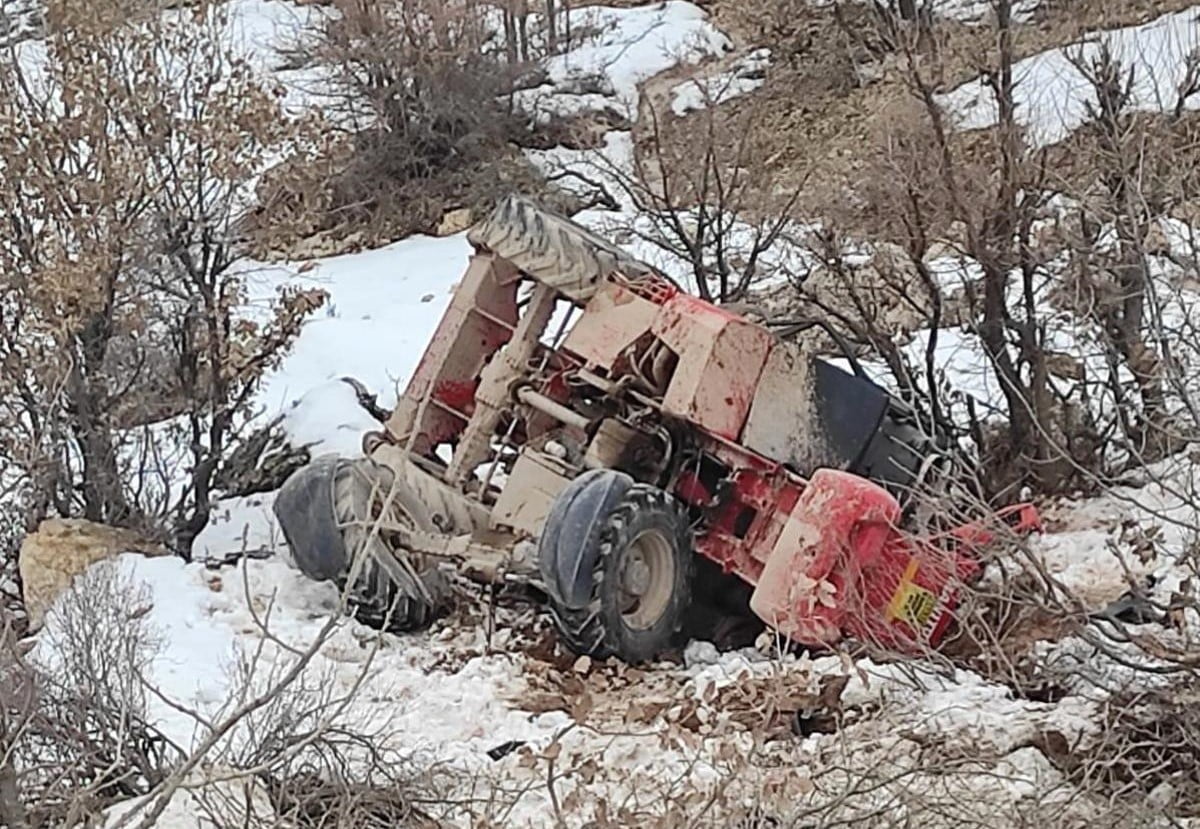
(574,397)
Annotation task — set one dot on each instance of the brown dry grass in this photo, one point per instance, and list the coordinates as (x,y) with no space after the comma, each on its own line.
(832,132)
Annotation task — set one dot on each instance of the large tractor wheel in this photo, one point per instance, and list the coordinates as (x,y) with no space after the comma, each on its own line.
(616,557)
(552,249)
(335,515)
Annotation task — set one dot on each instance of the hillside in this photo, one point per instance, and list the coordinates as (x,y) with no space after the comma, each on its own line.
(1068,699)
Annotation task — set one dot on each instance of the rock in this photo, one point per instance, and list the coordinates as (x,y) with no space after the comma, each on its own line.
(700,653)
(1162,795)
(454,221)
(1064,366)
(61,549)
(942,250)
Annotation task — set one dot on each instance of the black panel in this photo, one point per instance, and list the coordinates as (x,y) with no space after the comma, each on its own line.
(850,409)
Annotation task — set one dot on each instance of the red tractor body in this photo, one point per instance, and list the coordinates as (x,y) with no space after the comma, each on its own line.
(783,469)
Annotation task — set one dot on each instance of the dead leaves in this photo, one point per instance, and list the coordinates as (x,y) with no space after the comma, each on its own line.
(615,698)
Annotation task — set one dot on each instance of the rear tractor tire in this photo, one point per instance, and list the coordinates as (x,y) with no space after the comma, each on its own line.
(334,514)
(616,557)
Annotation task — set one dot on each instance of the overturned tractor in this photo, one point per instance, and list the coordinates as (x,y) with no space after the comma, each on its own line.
(575,397)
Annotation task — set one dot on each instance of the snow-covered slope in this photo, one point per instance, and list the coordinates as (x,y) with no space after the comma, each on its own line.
(627,46)
(449,697)
(1052,88)
(631,737)
(383,307)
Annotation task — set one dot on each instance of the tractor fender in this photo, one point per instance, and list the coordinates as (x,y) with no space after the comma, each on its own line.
(831,529)
(569,543)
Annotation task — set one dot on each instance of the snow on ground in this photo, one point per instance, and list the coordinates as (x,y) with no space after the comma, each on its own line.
(629,45)
(264,31)
(747,74)
(1052,94)
(383,307)
(206,626)
(978,12)
(445,693)
(242,525)
(442,695)
(258,31)
(971,12)
(633,46)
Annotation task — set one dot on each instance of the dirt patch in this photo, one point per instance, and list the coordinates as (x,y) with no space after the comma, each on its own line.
(1061,21)
(838,88)
(1166,149)
(613,696)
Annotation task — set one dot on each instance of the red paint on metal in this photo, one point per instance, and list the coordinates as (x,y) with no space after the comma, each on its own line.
(828,557)
(720,358)
(692,490)
(457,394)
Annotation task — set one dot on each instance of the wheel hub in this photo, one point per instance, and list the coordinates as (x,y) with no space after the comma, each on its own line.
(637,575)
(647,575)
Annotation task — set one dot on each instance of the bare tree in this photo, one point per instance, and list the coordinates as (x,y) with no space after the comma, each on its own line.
(698,198)
(125,277)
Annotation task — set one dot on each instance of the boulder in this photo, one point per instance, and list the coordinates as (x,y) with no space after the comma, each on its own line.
(63,548)
(454,221)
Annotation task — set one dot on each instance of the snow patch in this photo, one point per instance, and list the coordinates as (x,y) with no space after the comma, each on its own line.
(971,12)
(240,526)
(981,12)
(630,45)
(747,74)
(383,308)
(1052,95)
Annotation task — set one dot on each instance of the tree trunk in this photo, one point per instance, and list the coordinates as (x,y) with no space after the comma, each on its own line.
(12,811)
(523,28)
(510,32)
(103,493)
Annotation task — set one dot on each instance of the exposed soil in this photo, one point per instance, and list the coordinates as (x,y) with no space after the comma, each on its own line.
(840,91)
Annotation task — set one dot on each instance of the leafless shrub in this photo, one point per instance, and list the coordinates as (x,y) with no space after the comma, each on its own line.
(293,745)
(309,755)
(425,92)
(1063,421)
(74,736)
(113,289)
(697,198)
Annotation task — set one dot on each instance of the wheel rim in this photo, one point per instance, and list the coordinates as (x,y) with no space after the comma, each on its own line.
(647,579)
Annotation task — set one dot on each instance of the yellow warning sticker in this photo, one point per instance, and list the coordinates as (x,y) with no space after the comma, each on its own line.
(916,605)
(911,602)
